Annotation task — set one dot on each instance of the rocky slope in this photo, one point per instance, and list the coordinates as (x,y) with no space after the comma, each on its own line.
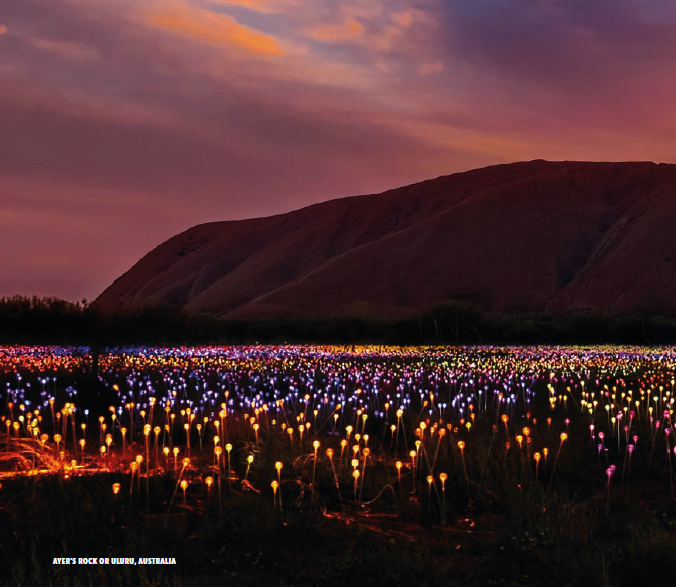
(537,235)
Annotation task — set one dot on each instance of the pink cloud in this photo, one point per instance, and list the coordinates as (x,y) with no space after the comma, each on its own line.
(68,49)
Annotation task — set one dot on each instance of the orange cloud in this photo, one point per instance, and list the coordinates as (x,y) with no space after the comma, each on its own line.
(209,27)
(3,29)
(347,31)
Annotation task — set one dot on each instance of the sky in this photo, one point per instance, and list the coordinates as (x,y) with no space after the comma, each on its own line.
(124,122)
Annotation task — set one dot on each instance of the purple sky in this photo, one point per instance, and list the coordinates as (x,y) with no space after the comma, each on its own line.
(123,122)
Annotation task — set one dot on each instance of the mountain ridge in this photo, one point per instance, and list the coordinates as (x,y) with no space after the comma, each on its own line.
(537,236)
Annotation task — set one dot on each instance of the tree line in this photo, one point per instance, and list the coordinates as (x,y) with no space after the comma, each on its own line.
(50,320)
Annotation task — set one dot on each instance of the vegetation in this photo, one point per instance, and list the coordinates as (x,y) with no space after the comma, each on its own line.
(36,320)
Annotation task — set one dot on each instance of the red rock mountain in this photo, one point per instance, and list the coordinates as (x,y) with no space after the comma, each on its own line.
(538,235)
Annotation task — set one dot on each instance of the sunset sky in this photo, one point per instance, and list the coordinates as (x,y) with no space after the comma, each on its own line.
(124,122)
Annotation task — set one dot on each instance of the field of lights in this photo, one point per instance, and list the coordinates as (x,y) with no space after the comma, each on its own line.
(516,450)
